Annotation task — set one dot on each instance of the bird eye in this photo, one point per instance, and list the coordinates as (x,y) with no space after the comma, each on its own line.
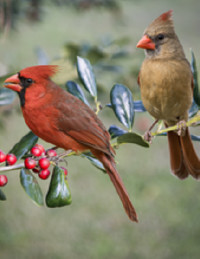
(29,80)
(160,36)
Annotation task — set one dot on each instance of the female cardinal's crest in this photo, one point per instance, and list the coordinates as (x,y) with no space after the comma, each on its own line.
(43,71)
(166,16)
(163,23)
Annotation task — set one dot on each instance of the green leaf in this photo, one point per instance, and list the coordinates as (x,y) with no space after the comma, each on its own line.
(24,145)
(116,131)
(74,89)
(59,193)
(195,79)
(7,96)
(132,137)
(95,162)
(122,104)
(31,186)
(193,109)
(87,76)
(2,196)
(138,106)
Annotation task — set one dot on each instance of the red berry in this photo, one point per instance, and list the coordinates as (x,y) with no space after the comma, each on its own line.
(51,153)
(11,159)
(40,147)
(44,174)
(36,151)
(44,163)
(2,156)
(29,163)
(3,180)
(65,170)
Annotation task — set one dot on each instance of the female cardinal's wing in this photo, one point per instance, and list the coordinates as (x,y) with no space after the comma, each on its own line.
(78,121)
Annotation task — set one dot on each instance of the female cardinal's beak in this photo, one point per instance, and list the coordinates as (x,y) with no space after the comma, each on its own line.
(146,43)
(13,83)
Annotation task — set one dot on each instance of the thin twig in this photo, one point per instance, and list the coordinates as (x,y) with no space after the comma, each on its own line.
(11,167)
(189,123)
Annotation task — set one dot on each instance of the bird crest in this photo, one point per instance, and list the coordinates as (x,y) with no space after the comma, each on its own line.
(166,16)
(42,71)
(163,22)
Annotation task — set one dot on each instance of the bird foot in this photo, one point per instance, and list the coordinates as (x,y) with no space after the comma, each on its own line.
(147,136)
(181,128)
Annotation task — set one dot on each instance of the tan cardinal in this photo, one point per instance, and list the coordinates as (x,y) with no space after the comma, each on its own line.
(63,120)
(166,85)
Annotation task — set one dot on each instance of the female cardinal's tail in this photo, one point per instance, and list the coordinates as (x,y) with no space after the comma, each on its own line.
(109,165)
(183,158)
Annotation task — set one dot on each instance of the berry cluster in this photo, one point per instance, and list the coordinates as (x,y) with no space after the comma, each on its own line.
(38,162)
(10,159)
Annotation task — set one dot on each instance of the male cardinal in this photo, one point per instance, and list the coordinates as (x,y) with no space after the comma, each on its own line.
(166,85)
(63,120)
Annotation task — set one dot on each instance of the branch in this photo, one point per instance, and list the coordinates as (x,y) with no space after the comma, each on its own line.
(11,167)
(189,123)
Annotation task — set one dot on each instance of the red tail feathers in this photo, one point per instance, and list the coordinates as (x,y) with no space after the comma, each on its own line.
(183,158)
(109,165)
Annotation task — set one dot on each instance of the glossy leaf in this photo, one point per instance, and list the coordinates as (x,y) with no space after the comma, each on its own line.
(24,145)
(116,131)
(193,109)
(95,162)
(87,76)
(31,186)
(122,104)
(74,89)
(195,138)
(134,138)
(59,193)
(195,79)
(2,196)
(138,106)
(7,96)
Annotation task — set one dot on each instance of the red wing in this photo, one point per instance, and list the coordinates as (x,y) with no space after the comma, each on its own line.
(78,121)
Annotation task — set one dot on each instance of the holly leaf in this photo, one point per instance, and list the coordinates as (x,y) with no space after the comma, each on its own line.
(116,131)
(74,89)
(193,109)
(122,104)
(31,186)
(134,138)
(7,96)
(59,193)
(87,76)
(95,162)
(2,196)
(138,106)
(24,145)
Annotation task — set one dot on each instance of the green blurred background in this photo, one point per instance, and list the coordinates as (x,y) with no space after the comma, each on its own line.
(95,225)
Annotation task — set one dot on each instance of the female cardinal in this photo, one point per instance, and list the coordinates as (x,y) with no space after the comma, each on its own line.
(63,120)
(166,85)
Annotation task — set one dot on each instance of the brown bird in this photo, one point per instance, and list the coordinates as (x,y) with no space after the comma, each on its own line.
(166,85)
(63,120)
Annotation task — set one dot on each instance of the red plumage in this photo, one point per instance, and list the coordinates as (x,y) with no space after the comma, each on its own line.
(63,120)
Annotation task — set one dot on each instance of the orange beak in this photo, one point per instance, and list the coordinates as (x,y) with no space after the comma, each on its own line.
(146,43)
(13,83)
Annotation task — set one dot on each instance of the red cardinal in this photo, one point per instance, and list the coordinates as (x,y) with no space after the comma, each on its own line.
(166,84)
(63,120)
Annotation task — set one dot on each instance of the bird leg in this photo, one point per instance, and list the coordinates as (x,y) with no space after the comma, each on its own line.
(181,128)
(147,134)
